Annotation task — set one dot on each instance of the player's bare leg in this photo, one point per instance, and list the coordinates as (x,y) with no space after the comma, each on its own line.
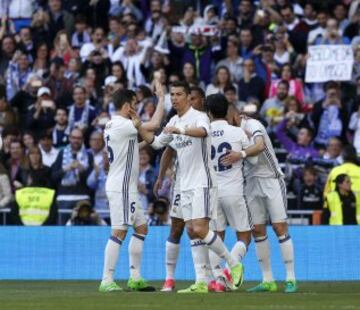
(172,252)
(136,245)
(111,257)
(204,235)
(262,247)
(287,251)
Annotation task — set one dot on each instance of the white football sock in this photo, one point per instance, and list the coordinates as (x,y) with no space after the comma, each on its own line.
(112,250)
(215,261)
(262,247)
(217,245)
(171,255)
(287,251)
(239,250)
(199,253)
(136,245)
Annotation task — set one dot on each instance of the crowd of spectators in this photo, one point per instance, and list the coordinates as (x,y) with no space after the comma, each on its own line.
(61,61)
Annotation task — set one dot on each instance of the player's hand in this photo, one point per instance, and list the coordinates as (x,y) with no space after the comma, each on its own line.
(135,119)
(230,158)
(159,90)
(171,130)
(157,186)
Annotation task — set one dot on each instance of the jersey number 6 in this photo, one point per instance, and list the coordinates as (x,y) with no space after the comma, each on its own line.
(110,150)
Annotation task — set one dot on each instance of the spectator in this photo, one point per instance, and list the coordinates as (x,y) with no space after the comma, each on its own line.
(318,32)
(233,61)
(5,188)
(60,86)
(96,181)
(28,140)
(60,136)
(199,54)
(36,174)
(309,194)
(97,147)
(131,57)
(340,14)
(70,171)
(62,48)
(59,19)
(84,214)
(295,85)
(189,74)
(342,206)
(8,47)
(41,63)
(355,126)
(284,51)
(81,113)
(332,34)
(147,178)
(97,43)
(297,29)
(16,162)
(246,43)
(25,43)
(333,151)
(251,85)
(17,73)
(155,23)
(9,134)
(221,81)
(41,114)
(48,152)
(273,108)
(350,167)
(328,116)
(81,34)
(302,148)
(8,116)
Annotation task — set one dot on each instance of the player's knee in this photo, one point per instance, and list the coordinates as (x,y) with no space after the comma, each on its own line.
(259,230)
(200,231)
(176,233)
(119,234)
(142,230)
(280,228)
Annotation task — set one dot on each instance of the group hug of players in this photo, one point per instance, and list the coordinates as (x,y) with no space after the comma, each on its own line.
(225,175)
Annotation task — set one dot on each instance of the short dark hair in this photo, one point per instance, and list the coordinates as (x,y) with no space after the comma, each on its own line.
(349,154)
(287,7)
(331,85)
(182,84)
(284,82)
(230,88)
(199,90)
(217,105)
(122,96)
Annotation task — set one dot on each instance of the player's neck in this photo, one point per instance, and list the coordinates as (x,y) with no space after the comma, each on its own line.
(122,113)
(184,110)
(218,119)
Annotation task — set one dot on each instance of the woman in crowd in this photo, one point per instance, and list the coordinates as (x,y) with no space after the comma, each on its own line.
(342,206)
(221,81)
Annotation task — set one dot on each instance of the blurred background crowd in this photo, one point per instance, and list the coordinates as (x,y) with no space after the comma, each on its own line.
(61,61)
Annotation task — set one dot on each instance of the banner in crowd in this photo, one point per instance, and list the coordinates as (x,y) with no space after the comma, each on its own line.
(329,63)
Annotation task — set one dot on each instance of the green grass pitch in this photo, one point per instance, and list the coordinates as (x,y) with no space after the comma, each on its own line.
(75,295)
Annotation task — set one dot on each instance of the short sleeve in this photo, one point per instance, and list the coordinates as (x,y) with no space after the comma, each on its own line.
(203,121)
(255,128)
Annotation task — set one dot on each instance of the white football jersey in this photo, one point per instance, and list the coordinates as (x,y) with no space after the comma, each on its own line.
(121,140)
(267,166)
(224,138)
(193,154)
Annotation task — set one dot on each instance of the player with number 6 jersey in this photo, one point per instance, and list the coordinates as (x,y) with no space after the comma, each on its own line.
(121,189)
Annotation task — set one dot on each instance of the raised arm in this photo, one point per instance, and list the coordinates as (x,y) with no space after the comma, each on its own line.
(155,122)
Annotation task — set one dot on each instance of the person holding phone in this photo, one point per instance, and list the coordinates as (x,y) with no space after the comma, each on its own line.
(41,114)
